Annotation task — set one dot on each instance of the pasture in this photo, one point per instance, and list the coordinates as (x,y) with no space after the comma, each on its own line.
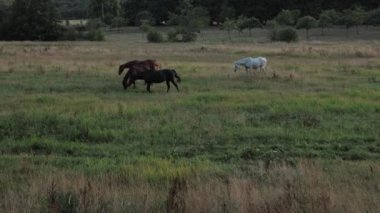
(303,136)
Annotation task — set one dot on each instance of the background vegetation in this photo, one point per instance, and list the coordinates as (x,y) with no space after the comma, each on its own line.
(43,19)
(72,138)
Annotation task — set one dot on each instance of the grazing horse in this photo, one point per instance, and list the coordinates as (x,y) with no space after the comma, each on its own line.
(135,67)
(251,63)
(160,76)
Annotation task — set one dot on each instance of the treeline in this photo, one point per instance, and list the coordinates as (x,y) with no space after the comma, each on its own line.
(159,11)
(43,19)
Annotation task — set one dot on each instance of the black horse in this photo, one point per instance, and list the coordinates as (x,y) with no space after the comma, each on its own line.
(160,76)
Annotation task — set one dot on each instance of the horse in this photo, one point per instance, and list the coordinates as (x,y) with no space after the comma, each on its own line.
(136,67)
(160,76)
(251,63)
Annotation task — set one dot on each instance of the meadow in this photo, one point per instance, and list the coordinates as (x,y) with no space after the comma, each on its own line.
(301,137)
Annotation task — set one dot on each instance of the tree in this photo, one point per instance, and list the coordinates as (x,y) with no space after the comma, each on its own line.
(253,23)
(229,25)
(358,14)
(288,17)
(332,14)
(373,17)
(4,7)
(144,16)
(324,22)
(241,23)
(307,23)
(118,22)
(199,17)
(160,10)
(72,9)
(226,12)
(189,20)
(348,20)
(104,9)
(37,20)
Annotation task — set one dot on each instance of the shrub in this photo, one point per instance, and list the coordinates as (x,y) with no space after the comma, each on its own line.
(287,35)
(189,36)
(173,36)
(95,35)
(70,34)
(154,37)
(178,35)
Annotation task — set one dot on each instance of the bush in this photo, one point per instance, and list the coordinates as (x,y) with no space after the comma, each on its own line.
(95,35)
(189,36)
(154,37)
(287,35)
(70,34)
(173,36)
(178,35)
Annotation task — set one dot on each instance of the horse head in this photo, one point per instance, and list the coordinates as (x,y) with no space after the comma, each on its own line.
(157,66)
(236,67)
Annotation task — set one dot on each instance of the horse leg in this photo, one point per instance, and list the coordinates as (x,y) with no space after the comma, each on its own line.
(175,84)
(125,81)
(168,85)
(130,81)
(148,87)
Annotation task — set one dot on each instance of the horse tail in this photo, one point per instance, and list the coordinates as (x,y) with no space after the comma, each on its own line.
(121,69)
(177,76)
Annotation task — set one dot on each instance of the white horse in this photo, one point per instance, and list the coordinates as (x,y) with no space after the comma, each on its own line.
(251,63)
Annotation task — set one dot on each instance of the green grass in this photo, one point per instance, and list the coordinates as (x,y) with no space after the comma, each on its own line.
(63,110)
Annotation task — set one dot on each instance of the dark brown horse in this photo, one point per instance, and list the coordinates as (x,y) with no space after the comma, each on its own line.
(136,67)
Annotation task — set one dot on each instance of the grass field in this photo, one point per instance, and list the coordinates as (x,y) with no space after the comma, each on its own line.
(301,137)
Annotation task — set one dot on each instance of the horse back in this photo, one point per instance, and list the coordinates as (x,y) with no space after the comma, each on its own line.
(152,76)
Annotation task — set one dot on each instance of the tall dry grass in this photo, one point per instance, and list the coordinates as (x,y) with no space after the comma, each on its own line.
(309,186)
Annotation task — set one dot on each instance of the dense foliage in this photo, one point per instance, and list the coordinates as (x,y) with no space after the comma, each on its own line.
(220,10)
(40,20)
(31,21)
